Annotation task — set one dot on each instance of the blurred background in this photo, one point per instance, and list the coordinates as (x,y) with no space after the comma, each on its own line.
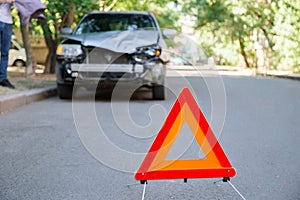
(258,34)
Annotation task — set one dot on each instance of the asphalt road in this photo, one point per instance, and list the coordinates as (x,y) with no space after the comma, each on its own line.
(88,149)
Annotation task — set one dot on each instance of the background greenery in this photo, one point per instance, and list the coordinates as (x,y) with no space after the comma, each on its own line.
(250,33)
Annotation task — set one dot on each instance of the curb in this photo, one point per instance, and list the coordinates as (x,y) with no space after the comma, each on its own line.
(297,78)
(12,101)
(291,77)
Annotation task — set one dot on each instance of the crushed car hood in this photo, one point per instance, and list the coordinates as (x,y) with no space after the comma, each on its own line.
(118,41)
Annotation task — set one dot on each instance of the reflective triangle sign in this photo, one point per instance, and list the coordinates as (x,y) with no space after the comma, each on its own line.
(215,164)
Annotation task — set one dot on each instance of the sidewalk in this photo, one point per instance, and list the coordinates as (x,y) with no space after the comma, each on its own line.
(281,74)
(27,90)
(11,101)
(223,70)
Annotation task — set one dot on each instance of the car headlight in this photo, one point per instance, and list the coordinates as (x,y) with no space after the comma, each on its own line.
(69,50)
(153,52)
(148,52)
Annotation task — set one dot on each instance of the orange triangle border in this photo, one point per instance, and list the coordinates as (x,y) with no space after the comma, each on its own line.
(225,170)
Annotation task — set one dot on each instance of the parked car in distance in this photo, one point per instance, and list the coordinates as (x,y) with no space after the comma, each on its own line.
(17,54)
(111,47)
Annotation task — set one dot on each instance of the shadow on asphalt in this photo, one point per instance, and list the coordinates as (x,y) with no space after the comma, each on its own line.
(109,94)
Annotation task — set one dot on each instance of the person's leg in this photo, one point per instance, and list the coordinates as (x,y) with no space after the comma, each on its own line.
(5,40)
(1,31)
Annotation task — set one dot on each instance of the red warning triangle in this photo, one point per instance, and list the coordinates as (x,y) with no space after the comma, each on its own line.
(215,164)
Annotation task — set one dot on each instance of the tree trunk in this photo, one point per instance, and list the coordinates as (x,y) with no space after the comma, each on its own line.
(101,5)
(243,52)
(70,18)
(30,61)
(108,8)
(51,44)
(52,41)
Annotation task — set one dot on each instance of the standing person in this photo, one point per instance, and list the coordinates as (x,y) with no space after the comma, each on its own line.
(5,39)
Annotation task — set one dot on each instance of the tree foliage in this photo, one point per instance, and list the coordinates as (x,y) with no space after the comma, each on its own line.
(266,31)
(59,14)
(165,14)
(253,32)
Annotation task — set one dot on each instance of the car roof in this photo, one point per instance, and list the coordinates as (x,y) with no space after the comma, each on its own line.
(120,12)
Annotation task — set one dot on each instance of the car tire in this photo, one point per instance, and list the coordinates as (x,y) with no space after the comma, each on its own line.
(64,91)
(19,63)
(158,92)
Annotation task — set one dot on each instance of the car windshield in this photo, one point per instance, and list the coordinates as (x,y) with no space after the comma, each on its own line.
(115,22)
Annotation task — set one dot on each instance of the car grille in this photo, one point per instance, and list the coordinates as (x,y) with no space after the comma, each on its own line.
(105,75)
(102,56)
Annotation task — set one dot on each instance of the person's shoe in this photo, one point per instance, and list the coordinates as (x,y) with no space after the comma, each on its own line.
(6,83)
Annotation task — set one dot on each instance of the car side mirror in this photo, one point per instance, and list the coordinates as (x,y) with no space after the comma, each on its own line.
(169,33)
(66,31)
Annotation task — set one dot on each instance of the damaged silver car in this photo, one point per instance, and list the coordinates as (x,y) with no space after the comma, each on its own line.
(109,47)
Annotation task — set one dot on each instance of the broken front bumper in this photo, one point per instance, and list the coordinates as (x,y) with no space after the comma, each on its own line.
(151,73)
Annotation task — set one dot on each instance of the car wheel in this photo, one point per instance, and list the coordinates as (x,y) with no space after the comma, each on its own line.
(158,92)
(19,63)
(64,91)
